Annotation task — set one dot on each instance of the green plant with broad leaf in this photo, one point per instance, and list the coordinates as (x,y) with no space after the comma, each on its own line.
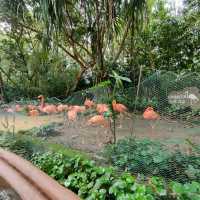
(93,182)
(118,84)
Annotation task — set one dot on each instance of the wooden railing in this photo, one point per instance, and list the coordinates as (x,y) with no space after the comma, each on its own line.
(29,182)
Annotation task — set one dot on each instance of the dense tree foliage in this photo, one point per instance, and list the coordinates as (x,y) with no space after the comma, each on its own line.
(48,46)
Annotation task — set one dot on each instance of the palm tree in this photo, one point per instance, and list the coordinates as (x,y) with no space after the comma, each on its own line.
(84,29)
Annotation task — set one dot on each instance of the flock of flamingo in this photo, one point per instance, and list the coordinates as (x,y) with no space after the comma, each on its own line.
(72,111)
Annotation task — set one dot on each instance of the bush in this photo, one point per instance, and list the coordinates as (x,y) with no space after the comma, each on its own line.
(43,131)
(153,158)
(99,183)
(23,146)
(94,182)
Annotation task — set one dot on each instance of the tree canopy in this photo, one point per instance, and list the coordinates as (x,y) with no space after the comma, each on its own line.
(52,44)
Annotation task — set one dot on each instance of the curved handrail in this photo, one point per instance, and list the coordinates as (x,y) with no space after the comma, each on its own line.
(27,180)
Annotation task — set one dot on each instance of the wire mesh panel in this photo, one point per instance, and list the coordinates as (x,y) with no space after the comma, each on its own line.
(166,128)
(175,96)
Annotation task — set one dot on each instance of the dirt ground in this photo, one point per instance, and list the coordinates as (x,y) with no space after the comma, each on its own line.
(91,139)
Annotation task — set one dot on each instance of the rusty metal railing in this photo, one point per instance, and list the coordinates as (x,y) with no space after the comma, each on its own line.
(28,181)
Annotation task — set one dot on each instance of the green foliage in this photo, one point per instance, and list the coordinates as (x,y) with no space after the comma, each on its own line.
(95,182)
(186,191)
(153,158)
(26,145)
(118,80)
(103,84)
(43,131)
(92,182)
(177,111)
(128,98)
(23,146)
(167,42)
(37,72)
(93,92)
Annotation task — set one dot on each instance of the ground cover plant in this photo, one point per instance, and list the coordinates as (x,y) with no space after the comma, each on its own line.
(26,145)
(153,158)
(94,182)
(44,131)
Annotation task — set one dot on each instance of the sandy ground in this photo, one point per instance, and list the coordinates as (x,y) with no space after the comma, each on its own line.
(91,139)
(22,122)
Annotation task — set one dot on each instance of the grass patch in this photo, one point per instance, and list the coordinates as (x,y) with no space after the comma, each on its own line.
(26,145)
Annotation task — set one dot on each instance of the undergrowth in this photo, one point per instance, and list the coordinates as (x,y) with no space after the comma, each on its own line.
(73,170)
(153,158)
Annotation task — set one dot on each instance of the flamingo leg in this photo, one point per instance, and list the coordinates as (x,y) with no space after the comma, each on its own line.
(70,124)
(152,128)
(153,125)
(74,123)
(64,117)
(78,119)
(120,120)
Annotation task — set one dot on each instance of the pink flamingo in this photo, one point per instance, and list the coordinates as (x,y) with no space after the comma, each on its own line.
(33,113)
(120,108)
(31,107)
(71,115)
(150,115)
(49,109)
(10,110)
(89,103)
(18,108)
(78,109)
(98,120)
(101,108)
(62,108)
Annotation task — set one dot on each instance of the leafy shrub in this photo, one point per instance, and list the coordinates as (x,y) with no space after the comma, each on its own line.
(44,131)
(23,146)
(12,92)
(153,158)
(92,182)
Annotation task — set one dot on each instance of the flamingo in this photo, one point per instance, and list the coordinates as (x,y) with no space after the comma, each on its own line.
(78,109)
(89,103)
(71,115)
(119,108)
(33,113)
(9,110)
(62,108)
(31,107)
(101,108)
(98,120)
(150,115)
(49,109)
(18,108)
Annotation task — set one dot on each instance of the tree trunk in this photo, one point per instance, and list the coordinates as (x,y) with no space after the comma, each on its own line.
(99,55)
(2,96)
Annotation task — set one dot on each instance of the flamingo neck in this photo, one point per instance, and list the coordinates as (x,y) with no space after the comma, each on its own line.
(114,103)
(42,102)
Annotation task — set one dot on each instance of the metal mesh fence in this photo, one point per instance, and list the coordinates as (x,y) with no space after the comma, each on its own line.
(166,146)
